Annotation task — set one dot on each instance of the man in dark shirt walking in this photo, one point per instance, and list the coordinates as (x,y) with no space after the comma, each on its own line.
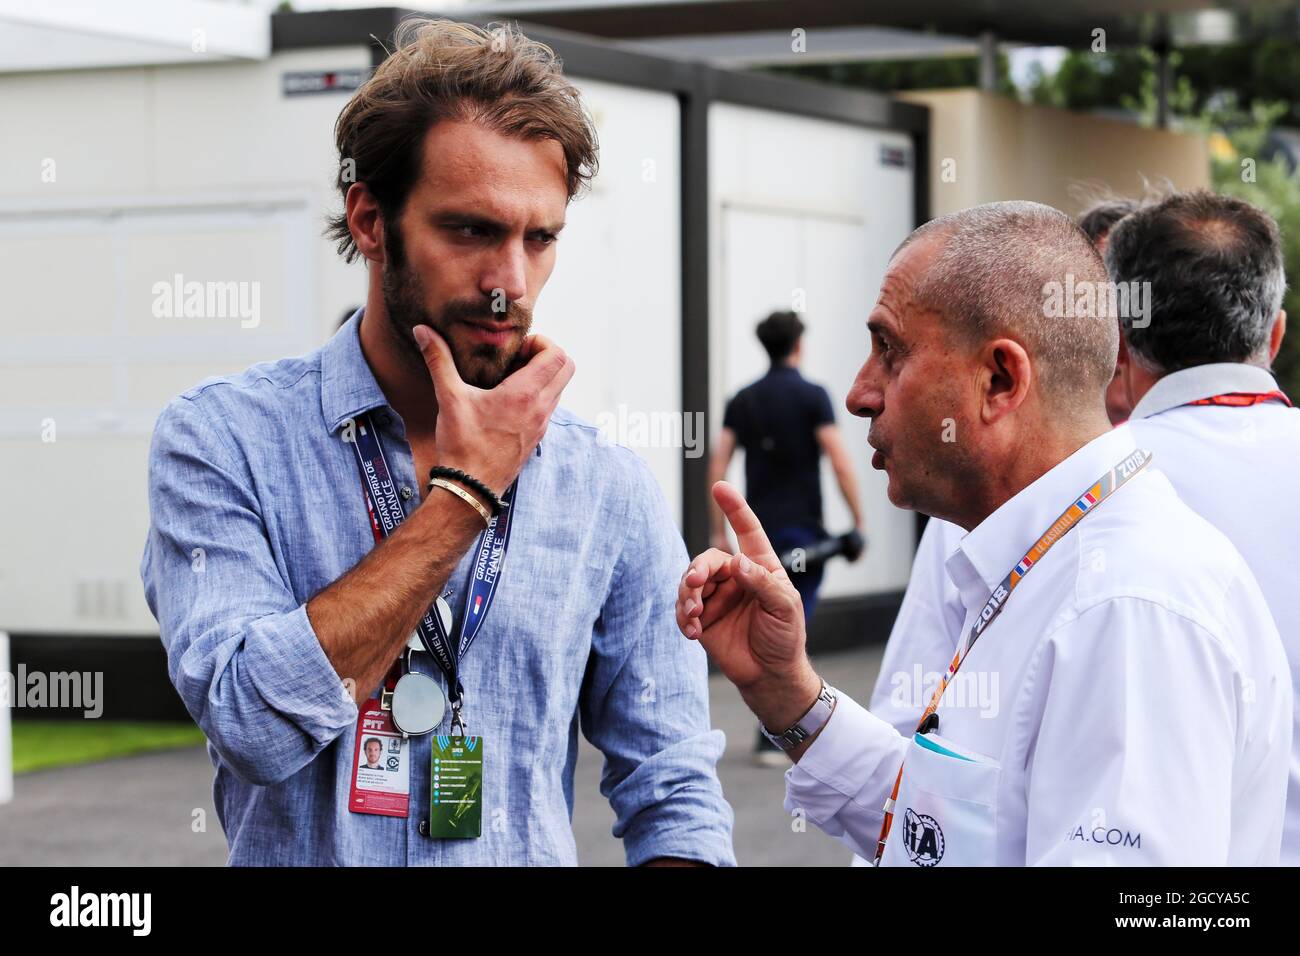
(784,423)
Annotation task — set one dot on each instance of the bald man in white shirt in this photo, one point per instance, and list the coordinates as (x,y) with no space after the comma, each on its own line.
(1123,696)
(1196,376)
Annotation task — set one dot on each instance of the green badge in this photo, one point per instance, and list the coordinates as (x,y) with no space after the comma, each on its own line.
(456,797)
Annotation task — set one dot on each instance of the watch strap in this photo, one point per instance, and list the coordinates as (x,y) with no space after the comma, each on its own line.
(812,721)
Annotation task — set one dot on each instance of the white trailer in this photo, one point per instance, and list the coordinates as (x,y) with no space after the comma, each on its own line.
(721,197)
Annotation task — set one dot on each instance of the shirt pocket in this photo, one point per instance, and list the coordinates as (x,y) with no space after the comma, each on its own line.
(946,811)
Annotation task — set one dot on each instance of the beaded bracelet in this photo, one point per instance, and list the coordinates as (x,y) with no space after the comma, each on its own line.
(455,474)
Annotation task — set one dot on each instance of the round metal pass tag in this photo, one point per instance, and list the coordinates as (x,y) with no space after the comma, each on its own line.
(418,704)
(443,610)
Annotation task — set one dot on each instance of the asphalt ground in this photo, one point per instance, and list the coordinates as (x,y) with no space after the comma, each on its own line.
(156,809)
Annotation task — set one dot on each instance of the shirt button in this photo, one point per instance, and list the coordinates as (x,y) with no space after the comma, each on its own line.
(406,492)
(383,418)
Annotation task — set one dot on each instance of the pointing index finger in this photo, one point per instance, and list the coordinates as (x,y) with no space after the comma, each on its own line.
(750,537)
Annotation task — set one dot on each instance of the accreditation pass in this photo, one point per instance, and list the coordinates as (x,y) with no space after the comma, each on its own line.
(381,772)
(456,788)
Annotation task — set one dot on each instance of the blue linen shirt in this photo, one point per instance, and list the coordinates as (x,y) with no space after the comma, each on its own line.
(256,505)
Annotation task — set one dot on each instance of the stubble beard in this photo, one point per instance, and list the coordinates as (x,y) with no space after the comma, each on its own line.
(482,365)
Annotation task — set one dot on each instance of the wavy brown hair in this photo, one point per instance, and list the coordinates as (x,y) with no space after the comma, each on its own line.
(443,70)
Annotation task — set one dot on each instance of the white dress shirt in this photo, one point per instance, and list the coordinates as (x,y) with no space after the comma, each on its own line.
(1237,468)
(1127,707)
(925,632)
(1233,466)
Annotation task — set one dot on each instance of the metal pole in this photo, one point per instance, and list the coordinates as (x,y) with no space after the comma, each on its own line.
(695,265)
(988,61)
(6,740)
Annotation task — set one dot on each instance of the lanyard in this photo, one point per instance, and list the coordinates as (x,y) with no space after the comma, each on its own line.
(1244,399)
(1095,494)
(385,509)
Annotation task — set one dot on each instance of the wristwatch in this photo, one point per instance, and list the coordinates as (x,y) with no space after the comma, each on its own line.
(807,725)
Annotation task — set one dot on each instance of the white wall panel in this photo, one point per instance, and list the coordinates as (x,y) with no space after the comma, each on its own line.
(209,172)
(805,216)
(614,300)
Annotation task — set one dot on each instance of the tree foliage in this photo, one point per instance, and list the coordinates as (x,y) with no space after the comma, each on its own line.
(1233,94)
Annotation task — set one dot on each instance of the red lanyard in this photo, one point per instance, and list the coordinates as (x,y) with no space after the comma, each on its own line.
(1095,494)
(1244,399)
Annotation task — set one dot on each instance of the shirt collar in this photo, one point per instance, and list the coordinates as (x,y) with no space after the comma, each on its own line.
(996,544)
(1202,381)
(347,385)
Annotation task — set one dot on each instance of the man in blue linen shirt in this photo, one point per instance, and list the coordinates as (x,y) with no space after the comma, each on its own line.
(279,612)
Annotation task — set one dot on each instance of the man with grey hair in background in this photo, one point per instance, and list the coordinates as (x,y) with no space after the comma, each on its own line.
(1115,698)
(1203,400)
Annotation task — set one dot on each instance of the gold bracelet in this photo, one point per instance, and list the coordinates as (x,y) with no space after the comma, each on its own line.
(464,495)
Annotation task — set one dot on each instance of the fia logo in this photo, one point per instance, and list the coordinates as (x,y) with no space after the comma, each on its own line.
(922,838)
